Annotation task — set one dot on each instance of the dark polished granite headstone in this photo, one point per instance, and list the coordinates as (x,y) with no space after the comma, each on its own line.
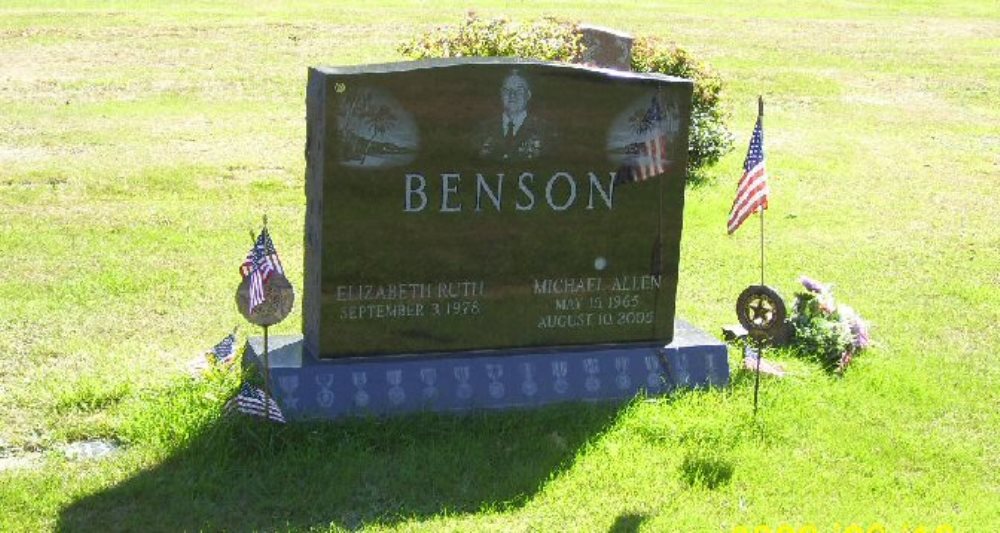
(458,205)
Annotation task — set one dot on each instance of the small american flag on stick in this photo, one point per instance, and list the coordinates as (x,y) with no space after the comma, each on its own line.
(225,351)
(252,401)
(752,191)
(261,262)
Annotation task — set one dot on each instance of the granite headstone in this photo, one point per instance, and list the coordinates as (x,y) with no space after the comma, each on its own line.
(605,47)
(436,222)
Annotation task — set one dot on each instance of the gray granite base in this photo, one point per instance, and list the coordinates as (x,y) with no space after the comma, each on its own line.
(309,388)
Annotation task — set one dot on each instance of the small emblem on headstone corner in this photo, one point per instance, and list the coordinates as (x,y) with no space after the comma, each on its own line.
(464,390)
(495,372)
(428,376)
(339,87)
(529,387)
(361,397)
(591,367)
(325,397)
(622,379)
(396,393)
(559,371)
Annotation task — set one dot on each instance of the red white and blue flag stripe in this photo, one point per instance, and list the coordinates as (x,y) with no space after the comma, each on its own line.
(752,191)
(653,151)
(654,160)
(254,402)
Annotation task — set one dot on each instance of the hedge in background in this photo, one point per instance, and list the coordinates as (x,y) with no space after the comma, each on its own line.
(550,39)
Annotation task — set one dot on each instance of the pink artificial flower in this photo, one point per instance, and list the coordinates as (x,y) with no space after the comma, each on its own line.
(859,330)
(812,285)
(858,327)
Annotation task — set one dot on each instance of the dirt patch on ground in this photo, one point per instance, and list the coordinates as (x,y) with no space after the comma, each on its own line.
(11,154)
(24,461)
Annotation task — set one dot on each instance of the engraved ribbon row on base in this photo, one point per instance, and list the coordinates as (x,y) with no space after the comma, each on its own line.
(464,391)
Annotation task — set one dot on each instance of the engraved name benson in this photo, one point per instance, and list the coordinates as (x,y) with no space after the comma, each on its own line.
(560,192)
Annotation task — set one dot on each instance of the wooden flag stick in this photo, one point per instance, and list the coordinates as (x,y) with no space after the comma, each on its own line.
(267,365)
(756,382)
(267,379)
(760,117)
(762,245)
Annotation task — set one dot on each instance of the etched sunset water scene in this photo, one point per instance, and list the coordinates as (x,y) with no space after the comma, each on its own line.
(375,130)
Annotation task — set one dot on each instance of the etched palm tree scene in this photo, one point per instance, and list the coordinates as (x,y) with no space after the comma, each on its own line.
(374,130)
(641,138)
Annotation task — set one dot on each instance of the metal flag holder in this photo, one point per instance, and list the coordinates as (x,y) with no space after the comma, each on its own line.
(279,296)
(759,308)
(761,311)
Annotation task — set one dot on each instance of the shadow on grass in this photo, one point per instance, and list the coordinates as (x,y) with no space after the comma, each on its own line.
(628,523)
(241,475)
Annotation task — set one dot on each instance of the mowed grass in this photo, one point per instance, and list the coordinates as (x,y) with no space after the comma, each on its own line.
(139,142)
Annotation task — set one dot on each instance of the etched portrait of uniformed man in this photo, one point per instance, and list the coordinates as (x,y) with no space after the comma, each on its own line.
(517,134)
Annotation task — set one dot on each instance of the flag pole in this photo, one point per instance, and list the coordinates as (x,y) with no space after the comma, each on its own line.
(756,381)
(267,377)
(760,118)
(267,366)
(760,345)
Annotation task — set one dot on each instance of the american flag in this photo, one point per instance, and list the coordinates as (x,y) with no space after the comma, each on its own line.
(752,191)
(650,154)
(261,262)
(226,349)
(252,401)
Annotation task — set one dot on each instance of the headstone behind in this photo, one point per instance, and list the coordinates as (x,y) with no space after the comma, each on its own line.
(607,48)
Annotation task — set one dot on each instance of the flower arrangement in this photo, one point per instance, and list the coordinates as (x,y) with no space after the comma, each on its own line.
(833,332)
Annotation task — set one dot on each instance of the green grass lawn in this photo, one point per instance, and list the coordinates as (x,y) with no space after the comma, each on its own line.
(140,142)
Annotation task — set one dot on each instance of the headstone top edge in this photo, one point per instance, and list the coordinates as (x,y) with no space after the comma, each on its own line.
(406,66)
(603,29)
